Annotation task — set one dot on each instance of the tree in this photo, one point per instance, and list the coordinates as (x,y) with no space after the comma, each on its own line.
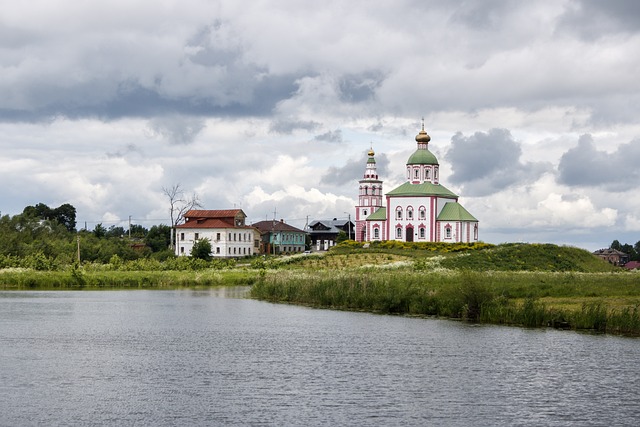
(158,238)
(341,237)
(201,249)
(138,231)
(179,205)
(99,231)
(615,245)
(66,215)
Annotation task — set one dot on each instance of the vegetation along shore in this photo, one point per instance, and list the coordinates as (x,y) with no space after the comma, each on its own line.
(532,285)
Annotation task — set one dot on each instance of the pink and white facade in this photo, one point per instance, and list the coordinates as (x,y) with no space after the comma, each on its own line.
(420,210)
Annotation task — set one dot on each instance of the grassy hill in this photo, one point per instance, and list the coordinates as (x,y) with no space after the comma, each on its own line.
(456,256)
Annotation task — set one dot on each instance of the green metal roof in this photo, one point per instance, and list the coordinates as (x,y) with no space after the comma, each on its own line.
(379,215)
(424,189)
(422,156)
(453,211)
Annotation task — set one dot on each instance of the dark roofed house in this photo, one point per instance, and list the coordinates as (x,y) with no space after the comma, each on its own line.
(614,256)
(278,237)
(324,233)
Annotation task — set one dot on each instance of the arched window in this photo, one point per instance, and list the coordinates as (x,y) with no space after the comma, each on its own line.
(409,212)
(399,232)
(427,173)
(447,232)
(422,232)
(416,173)
(423,213)
(398,212)
(376,233)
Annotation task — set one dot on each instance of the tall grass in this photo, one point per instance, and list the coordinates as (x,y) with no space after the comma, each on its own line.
(92,279)
(496,297)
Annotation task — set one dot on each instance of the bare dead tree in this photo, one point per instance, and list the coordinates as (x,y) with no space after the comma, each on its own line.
(179,205)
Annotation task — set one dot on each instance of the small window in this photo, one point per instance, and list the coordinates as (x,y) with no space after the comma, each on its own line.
(181,249)
(416,173)
(422,233)
(196,236)
(217,237)
(399,233)
(218,250)
(376,233)
(399,213)
(447,232)
(409,213)
(364,212)
(423,214)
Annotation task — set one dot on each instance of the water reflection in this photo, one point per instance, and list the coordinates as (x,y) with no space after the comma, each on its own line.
(207,356)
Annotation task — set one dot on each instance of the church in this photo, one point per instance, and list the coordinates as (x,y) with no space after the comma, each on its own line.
(420,210)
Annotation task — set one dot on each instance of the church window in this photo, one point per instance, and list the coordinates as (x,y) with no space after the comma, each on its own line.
(427,173)
(416,173)
(376,233)
(364,212)
(409,213)
(423,213)
(399,213)
(435,174)
(447,232)
(475,232)
(422,233)
(399,232)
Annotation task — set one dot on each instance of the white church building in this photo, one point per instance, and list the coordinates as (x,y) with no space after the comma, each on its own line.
(420,210)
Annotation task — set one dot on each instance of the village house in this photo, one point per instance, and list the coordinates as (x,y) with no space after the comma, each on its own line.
(420,210)
(323,233)
(613,256)
(226,230)
(278,237)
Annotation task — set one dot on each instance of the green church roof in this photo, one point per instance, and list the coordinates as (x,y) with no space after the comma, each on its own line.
(379,215)
(424,189)
(453,211)
(422,156)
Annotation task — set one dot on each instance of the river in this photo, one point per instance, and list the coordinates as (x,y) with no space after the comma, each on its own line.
(211,357)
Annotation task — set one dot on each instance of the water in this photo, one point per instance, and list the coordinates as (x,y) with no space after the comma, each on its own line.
(208,357)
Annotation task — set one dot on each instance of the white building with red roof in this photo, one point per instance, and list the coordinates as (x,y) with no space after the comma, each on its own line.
(225,229)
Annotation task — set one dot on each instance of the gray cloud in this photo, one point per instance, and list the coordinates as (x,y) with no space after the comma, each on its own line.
(177,129)
(489,162)
(586,166)
(288,126)
(360,87)
(353,171)
(592,19)
(330,136)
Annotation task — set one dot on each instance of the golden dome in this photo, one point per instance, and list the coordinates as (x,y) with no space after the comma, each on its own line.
(422,136)
(371,153)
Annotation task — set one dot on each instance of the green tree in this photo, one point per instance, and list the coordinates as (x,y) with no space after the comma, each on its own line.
(138,231)
(615,245)
(99,231)
(342,236)
(158,238)
(201,249)
(66,215)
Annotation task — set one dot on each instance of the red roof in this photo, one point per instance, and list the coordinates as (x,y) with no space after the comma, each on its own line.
(220,213)
(224,218)
(631,265)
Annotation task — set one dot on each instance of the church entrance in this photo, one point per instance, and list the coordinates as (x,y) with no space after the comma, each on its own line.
(409,234)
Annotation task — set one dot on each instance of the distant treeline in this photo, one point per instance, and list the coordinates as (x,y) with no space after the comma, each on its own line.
(632,250)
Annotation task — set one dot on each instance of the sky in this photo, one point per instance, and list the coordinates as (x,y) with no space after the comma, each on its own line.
(533,109)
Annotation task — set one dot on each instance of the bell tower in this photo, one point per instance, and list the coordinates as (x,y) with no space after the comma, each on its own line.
(369,197)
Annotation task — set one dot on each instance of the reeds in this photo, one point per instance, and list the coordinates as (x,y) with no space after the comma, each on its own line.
(499,298)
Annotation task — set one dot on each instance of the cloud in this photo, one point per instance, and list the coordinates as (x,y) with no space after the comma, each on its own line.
(353,170)
(586,166)
(488,162)
(330,136)
(177,129)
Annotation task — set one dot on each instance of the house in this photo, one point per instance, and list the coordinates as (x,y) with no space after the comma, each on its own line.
(278,237)
(420,210)
(614,256)
(323,233)
(230,237)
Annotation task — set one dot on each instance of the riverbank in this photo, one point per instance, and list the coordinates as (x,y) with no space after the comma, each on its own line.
(602,302)
(77,278)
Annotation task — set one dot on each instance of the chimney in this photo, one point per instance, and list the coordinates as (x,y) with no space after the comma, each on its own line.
(282,220)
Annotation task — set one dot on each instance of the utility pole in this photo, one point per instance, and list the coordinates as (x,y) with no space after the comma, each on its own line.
(129,227)
(78,238)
